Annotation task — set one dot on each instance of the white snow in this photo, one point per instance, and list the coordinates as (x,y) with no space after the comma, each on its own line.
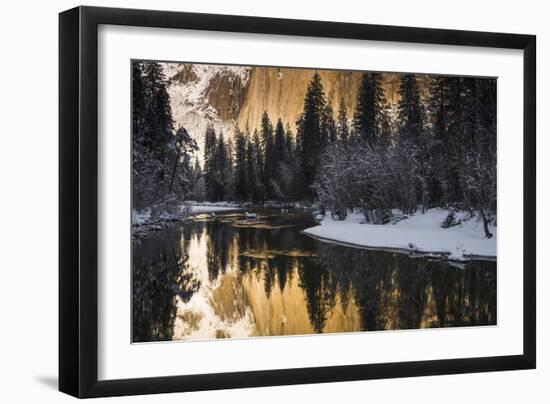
(207,208)
(420,233)
(141,217)
(189,103)
(176,212)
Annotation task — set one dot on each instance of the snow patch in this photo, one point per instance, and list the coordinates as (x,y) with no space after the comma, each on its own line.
(419,233)
(207,208)
(141,217)
(154,219)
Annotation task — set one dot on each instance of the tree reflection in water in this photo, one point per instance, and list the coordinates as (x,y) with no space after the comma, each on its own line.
(395,291)
(385,290)
(157,284)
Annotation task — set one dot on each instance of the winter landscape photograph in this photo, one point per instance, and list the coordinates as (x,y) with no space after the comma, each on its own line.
(274,201)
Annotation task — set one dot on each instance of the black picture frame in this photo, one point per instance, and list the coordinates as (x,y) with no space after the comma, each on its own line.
(78,201)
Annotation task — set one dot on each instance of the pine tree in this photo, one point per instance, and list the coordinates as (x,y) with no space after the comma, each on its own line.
(210,162)
(437,106)
(309,133)
(438,117)
(290,167)
(328,126)
(241,166)
(259,156)
(253,192)
(197,186)
(139,155)
(229,186)
(370,105)
(138,102)
(343,124)
(279,147)
(470,136)
(158,114)
(386,129)
(279,167)
(223,168)
(181,148)
(413,148)
(471,111)
(410,110)
(290,143)
(266,133)
(454,148)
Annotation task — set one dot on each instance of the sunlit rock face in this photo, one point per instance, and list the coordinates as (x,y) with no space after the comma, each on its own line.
(281,93)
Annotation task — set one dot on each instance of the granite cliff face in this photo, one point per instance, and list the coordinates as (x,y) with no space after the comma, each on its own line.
(225,95)
(281,93)
(200,94)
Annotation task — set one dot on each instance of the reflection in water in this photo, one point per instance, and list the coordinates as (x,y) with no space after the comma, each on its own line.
(234,278)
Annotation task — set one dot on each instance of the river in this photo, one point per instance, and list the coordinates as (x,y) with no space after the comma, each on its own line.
(229,277)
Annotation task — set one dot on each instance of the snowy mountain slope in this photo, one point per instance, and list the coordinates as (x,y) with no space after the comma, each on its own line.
(201,93)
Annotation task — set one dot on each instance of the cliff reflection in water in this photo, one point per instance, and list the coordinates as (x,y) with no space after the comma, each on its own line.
(231,278)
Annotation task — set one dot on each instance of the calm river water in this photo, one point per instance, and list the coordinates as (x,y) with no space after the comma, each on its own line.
(227,277)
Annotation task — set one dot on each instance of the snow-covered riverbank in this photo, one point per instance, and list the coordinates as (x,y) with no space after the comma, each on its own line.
(148,219)
(420,233)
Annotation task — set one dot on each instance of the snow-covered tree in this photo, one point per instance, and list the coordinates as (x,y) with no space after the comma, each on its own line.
(181,148)
(153,134)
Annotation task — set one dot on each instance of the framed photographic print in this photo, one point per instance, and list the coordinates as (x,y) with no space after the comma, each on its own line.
(251,201)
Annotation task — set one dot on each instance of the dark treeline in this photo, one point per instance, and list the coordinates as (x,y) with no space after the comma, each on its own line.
(254,167)
(436,147)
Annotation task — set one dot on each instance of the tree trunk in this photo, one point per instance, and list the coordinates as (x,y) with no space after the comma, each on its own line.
(488,234)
